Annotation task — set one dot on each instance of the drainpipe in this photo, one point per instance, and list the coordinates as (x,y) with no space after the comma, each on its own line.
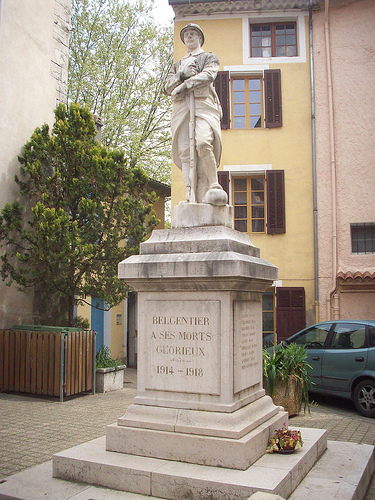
(333,296)
(315,204)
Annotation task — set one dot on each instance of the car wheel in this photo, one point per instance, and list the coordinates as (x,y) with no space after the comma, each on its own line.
(364,398)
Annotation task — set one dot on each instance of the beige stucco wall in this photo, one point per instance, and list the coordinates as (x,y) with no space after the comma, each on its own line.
(351,31)
(33,75)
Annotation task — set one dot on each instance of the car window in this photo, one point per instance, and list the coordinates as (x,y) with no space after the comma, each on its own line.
(314,337)
(371,331)
(348,336)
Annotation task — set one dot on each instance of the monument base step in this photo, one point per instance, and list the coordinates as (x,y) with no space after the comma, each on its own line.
(234,441)
(272,473)
(343,472)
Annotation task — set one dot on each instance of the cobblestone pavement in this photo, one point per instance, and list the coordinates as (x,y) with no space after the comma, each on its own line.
(33,429)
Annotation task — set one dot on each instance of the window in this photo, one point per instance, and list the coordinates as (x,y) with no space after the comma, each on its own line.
(247,102)
(313,338)
(259,201)
(273,40)
(349,336)
(256,100)
(363,237)
(249,204)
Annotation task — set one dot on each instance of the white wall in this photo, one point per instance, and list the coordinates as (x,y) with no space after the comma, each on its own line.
(33,75)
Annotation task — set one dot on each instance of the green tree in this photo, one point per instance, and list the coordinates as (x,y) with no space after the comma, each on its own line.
(85,208)
(118,62)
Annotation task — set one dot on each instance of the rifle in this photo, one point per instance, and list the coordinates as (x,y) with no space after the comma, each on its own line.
(193,167)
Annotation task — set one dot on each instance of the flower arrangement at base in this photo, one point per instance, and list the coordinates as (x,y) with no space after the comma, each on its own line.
(285,441)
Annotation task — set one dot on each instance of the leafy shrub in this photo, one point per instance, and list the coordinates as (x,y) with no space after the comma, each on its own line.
(104,359)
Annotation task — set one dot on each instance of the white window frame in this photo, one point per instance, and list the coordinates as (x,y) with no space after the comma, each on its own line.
(275,17)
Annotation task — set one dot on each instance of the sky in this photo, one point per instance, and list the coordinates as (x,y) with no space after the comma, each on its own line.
(163,12)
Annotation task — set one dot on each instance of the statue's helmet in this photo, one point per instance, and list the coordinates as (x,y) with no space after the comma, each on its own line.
(192,26)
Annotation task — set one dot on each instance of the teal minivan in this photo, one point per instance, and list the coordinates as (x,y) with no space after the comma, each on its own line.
(342,356)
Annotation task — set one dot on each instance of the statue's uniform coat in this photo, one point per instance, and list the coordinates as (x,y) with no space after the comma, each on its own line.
(207,107)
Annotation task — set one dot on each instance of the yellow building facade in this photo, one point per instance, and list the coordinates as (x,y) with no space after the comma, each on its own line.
(267,151)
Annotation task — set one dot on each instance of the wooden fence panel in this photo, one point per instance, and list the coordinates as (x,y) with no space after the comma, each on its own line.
(57,362)
(11,354)
(1,358)
(28,362)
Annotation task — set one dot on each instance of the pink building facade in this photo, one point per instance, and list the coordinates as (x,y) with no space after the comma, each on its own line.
(344,89)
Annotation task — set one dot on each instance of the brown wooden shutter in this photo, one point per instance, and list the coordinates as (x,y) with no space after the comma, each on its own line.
(222,89)
(290,311)
(275,201)
(223,178)
(272,90)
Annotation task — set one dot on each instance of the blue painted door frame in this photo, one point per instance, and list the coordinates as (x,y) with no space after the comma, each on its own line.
(97,320)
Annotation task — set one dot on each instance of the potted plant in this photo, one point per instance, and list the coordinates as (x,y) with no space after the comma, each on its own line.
(109,372)
(287,379)
(285,441)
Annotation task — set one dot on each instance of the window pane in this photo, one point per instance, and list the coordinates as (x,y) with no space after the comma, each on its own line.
(371,332)
(256,52)
(258,226)
(290,40)
(314,337)
(291,51)
(266,30)
(240,212)
(240,225)
(267,321)
(255,96)
(280,40)
(266,52)
(280,51)
(238,84)
(239,184)
(239,109)
(240,198)
(290,29)
(280,28)
(267,301)
(239,123)
(266,42)
(239,97)
(257,183)
(256,41)
(254,84)
(257,198)
(257,212)
(256,29)
(255,122)
(255,109)
(348,336)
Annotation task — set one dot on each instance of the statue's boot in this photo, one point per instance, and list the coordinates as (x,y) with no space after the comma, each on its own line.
(215,195)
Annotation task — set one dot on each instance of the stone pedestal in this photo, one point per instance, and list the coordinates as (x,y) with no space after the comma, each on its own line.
(200,397)
(200,422)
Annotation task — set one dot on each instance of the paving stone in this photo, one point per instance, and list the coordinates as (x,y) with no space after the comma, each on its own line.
(33,429)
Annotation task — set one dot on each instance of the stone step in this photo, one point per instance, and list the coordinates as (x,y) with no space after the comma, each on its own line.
(272,473)
(343,472)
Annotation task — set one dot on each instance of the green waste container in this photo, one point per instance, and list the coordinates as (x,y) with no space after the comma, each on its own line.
(47,360)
